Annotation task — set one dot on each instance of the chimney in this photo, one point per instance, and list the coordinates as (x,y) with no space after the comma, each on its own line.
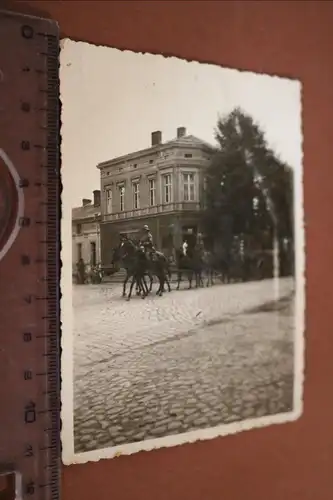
(85,202)
(156,138)
(97,198)
(181,132)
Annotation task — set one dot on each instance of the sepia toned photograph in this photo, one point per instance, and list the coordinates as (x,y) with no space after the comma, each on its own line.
(182,251)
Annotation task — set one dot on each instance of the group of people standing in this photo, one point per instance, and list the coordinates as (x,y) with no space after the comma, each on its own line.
(92,275)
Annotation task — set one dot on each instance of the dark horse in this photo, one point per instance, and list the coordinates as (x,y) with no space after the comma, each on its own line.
(120,261)
(216,264)
(199,263)
(191,265)
(158,264)
(137,265)
(208,266)
(133,267)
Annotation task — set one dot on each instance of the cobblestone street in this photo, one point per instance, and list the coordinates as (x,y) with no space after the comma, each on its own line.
(188,360)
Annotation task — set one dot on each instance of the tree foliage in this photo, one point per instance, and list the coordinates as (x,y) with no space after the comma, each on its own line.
(249,190)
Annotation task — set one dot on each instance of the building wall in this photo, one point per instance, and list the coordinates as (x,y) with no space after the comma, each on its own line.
(141,171)
(166,221)
(86,230)
(90,233)
(127,174)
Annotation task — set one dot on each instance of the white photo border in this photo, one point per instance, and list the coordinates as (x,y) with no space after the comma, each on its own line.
(67,389)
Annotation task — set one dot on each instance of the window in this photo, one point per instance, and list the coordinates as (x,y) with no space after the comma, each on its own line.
(205,187)
(152,192)
(93,253)
(136,195)
(188,155)
(167,194)
(122,198)
(78,228)
(108,196)
(79,251)
(188,187)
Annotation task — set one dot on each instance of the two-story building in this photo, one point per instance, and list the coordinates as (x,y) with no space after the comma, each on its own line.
(86,231)
(161,186)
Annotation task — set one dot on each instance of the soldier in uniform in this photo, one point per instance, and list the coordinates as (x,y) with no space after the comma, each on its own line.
(147,241)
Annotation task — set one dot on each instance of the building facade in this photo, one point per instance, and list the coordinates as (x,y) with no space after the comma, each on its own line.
(86,232)
(161,186)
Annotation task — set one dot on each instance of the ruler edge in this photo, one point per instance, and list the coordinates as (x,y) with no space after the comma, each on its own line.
(11,13)
(52,268)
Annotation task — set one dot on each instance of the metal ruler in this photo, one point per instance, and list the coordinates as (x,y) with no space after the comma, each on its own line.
(29,258)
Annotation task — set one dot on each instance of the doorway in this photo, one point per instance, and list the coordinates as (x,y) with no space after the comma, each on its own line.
(93,253)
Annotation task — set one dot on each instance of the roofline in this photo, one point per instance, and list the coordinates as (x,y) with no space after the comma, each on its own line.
(87,219)
(143,152)
(137,154)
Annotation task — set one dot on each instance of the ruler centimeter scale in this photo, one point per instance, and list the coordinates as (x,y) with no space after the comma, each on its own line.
(29,258)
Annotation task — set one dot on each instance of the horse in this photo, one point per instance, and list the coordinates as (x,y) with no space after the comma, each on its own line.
(121,259)
(156,264)
(159,265)
(190,264)
(200,261)
(208,266)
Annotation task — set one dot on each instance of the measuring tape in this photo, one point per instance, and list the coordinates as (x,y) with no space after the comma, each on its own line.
(29,258)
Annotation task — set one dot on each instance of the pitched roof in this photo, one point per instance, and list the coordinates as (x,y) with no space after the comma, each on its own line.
(188,140)
(184,141)
(85,212)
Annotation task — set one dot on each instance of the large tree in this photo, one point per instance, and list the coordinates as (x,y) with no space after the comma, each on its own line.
(249,190)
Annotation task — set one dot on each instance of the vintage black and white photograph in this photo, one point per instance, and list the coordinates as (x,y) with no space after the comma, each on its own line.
(182,251)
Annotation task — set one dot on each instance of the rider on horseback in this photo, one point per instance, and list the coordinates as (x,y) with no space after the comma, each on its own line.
(146,242)
(185,247)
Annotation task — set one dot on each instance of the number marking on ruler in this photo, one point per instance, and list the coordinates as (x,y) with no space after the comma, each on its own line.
(29,256)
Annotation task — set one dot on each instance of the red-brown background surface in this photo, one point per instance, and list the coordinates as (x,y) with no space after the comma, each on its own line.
(285,462)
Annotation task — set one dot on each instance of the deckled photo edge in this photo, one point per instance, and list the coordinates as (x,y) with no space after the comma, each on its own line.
(67,434)
(300,264)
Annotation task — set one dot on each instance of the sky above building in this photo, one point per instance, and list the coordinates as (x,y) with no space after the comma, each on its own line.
(112,100)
